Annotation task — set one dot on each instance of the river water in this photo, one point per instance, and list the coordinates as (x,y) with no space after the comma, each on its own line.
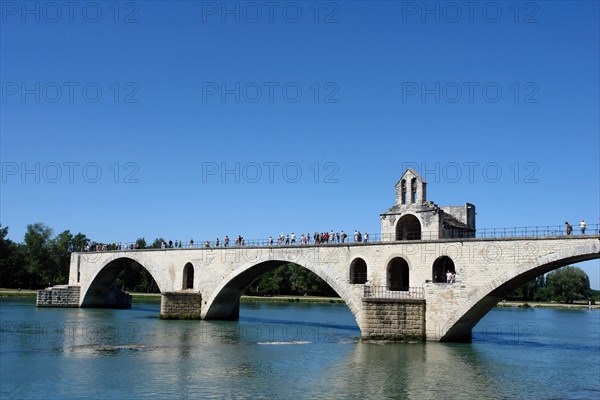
(288,351)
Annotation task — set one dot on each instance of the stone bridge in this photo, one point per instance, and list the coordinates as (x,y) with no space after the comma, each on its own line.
(396,288)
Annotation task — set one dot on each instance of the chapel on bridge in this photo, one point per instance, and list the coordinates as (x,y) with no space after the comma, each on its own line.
(415,218)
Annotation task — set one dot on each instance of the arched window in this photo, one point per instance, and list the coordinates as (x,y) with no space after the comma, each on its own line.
(358,271)
(408,228)
(440,269)
(403,191)
(413,190)
(188,276)
(397,274)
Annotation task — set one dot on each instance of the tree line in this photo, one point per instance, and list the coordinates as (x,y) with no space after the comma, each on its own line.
(43,259)
(564,285)
(290,279)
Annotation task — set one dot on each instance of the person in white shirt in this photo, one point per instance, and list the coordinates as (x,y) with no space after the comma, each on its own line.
(583,226)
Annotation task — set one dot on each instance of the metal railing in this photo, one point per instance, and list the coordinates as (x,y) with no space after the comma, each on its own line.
(499,233)
(383,292)
(485,233)
(537,231)
(233,243)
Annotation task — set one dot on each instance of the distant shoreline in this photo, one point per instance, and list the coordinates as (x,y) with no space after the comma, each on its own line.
(535,304)
(156,296)
(315,299)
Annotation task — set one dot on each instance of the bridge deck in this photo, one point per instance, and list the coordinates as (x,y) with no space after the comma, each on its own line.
(353,244)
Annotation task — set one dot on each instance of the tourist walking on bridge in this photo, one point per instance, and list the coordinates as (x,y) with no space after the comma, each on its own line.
(568,228)
(582,226)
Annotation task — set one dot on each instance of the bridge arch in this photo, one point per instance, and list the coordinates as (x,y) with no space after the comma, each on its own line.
(223,302)
(358,273)
(99,290)
(408,227)
(461,322)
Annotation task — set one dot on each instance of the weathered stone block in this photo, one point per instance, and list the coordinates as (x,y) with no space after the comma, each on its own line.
(59,296)
(180,305)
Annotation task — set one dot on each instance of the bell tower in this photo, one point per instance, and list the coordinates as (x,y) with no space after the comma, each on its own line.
(415,218)
(411,189)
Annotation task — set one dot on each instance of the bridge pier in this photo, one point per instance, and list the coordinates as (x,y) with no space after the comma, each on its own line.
(400,320)
(181,305)
(59,296)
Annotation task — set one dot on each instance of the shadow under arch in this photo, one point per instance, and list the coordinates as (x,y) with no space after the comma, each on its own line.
(225,303)
(102,292)
(482,303)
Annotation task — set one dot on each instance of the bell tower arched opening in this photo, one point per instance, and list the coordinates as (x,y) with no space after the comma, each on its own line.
(408,228)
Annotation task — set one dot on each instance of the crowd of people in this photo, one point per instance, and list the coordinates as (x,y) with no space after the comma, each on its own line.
(110,247)
(291,239)
(317,238)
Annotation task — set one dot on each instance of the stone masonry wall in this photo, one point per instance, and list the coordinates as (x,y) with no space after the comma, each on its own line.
(59,296)
(393,319)
(180,305)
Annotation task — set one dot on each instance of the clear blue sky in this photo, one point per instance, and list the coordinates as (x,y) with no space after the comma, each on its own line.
(170,94)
